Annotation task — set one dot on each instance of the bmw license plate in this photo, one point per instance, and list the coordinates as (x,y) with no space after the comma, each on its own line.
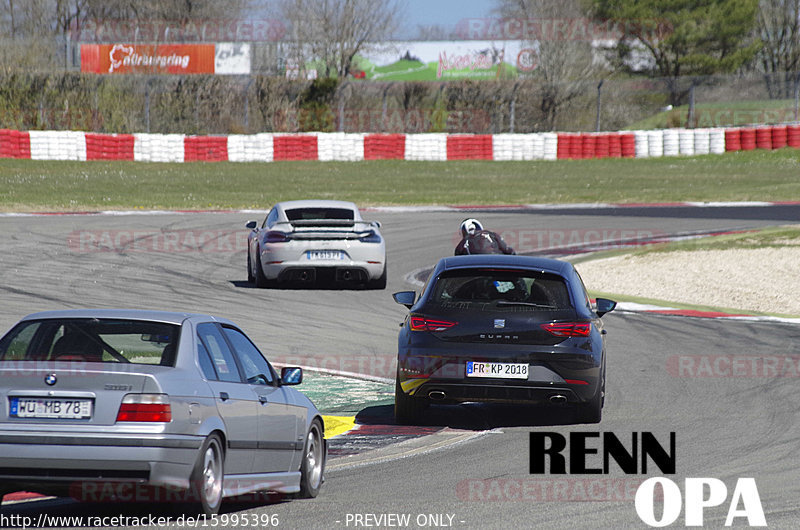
(73,409)
(497,370)
(324,255)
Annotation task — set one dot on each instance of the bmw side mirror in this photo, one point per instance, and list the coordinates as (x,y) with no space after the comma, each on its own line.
(405,298)
(291,375)
(251,224)
(604,305)
(376,224)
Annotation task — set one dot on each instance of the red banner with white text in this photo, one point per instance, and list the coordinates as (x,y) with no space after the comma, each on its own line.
(147,58)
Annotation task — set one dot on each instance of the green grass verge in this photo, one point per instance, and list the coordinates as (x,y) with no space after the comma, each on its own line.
(30,185)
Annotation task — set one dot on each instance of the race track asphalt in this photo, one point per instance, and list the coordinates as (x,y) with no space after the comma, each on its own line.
(726,425)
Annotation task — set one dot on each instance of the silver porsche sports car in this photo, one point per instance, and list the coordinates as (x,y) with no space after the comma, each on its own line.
(316,241)
(110,405)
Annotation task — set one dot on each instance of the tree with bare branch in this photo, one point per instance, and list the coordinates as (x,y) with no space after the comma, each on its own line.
(565,63)
(32,32)
(779,30)
(333,32)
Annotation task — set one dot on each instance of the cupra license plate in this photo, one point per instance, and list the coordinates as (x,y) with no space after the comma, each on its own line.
(497,370)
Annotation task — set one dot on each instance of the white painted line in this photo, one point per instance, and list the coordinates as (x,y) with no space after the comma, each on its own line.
(424,208)
(722,204)
(342,373)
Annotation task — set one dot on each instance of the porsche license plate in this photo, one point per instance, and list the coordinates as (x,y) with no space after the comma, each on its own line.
(497,370)
(50,408)
(324,255)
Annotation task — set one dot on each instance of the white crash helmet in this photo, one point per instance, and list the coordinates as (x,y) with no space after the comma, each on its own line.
(470,226)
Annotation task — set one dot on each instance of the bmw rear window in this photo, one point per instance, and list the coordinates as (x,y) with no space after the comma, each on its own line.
(492,289)
(92,340)
(302,214)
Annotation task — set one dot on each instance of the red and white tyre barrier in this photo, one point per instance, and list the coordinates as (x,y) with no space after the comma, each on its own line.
(352,147)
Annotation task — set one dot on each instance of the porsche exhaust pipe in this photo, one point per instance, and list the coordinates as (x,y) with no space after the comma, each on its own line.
(304,276)
(558,399)
(346,275)
(437,395)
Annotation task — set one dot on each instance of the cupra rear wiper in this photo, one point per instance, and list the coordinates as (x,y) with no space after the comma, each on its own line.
(530,304)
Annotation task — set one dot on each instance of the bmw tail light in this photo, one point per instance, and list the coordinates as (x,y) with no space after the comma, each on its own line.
(427,324)
(276,236)
(370,237)
(568,329)
(145,408)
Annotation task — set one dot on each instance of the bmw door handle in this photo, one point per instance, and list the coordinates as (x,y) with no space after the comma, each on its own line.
(224,396)
(263,399)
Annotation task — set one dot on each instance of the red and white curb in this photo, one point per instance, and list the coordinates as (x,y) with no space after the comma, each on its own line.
(633,307)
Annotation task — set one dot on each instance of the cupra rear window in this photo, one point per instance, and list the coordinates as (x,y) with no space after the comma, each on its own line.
(301,214)
(92,340)
(524,289)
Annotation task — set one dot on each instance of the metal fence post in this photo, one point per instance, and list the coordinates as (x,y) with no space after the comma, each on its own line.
(384,107)
(340,127)
(147,106)
(796,94)
(247,104)
(599,94)
(512,108)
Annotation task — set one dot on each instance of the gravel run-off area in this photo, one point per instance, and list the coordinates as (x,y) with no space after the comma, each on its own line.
(765,280)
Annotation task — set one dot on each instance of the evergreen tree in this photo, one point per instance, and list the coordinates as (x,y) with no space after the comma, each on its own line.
(683,37)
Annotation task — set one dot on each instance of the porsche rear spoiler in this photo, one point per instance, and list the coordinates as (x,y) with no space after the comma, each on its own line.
(359,225)
(324,222)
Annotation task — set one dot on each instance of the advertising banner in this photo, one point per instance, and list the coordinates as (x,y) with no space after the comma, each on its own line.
(221,58)
(445,60)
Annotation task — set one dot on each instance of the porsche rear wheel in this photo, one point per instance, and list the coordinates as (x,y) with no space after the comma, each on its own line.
(261,279)
(250,277)
(380,282)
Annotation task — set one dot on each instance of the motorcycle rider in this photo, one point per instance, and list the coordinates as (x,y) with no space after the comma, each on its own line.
(476,240)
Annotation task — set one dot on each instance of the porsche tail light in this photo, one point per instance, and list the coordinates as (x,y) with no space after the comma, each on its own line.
(568,329)
(145,408)
(276,236)
(428,324)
